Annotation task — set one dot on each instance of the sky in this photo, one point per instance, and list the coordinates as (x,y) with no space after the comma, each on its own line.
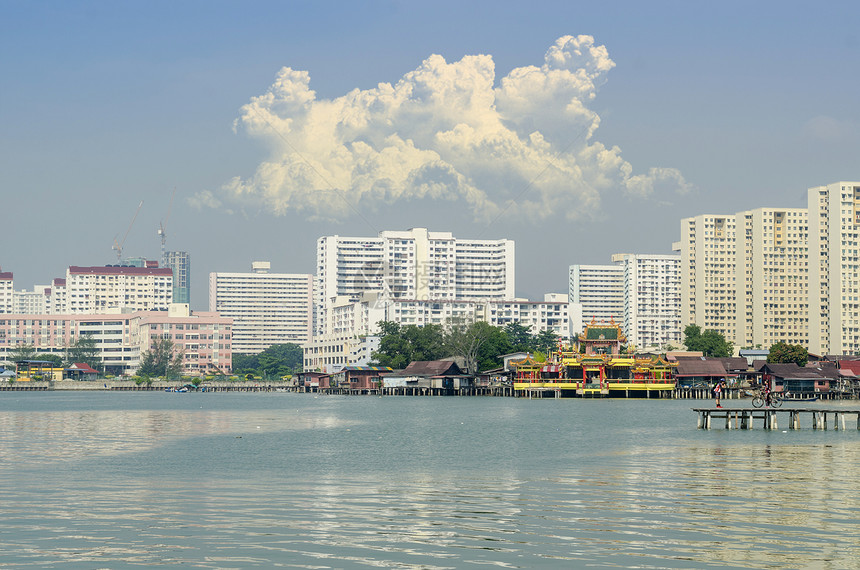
(576,129)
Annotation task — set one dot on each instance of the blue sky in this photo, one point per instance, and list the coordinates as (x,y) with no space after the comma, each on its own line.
(671,109)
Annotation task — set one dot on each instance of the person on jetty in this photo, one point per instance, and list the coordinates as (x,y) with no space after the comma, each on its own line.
(767,395)
(718,390)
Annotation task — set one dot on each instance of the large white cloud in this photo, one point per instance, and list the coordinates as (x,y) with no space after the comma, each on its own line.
(444,131)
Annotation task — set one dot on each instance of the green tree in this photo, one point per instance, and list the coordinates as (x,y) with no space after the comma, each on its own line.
(400,345)
(709,342)
(55,360)
(546,341)
(782,352)
(245,363)
(280,359)
(162,359)
(497,344)
(84,349)
(23,352)
(469,341)
(519,337)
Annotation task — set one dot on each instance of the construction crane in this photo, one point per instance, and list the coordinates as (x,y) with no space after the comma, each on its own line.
(117,246)
(162,228)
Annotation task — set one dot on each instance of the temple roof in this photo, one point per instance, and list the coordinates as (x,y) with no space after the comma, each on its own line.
(526,362)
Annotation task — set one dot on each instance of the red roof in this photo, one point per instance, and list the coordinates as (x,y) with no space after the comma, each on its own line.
(852,365)
(83,367)
(6,276)
(120,270)
(58,281)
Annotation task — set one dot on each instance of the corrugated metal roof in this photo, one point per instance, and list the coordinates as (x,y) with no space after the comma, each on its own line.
(699,367)
(432,368)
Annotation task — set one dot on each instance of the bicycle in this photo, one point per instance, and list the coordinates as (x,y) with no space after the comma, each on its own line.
(769,399)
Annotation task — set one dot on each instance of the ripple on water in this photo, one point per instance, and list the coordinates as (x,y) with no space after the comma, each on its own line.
(353,482)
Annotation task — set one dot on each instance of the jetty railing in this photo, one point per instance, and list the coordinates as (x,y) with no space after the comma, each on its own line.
(744,418)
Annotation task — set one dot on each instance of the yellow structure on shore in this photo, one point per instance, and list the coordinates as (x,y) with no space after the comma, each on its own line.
(597,367)
(28,370)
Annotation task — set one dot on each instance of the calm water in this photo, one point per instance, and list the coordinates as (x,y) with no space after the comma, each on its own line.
(122,480)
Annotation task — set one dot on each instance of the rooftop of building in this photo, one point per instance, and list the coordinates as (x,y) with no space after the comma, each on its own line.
(119,270)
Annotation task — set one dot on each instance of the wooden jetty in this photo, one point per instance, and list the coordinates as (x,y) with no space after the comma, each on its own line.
(743,418)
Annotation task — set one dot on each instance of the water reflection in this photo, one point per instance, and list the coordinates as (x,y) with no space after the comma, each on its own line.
(40,437)
(399,483)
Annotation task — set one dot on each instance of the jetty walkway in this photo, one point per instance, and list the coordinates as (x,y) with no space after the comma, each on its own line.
(744,418)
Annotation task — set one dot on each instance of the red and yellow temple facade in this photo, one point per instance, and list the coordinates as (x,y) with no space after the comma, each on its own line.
(596,366)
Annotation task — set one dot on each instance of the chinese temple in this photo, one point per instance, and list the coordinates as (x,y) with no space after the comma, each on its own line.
(601,364)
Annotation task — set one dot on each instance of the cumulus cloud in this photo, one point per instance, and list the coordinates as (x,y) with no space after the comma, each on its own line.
(825,129)
(445,131)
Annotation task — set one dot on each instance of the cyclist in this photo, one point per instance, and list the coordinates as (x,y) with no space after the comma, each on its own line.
(766,394)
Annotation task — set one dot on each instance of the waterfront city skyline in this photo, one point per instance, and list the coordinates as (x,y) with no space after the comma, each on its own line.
(577,132)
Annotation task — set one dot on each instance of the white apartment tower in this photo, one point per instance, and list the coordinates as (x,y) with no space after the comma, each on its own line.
(114,287)
(266,308)
(35,302)
(415,264)
(834,268)
(640,292)
(596,293)
(7,291)
(652,299)
(746,275)
(57,298)
(708,258)
(771,277)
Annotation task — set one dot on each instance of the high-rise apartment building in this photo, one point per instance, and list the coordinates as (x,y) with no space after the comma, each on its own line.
(414,264)
(35,302)
(7,291)
(57,298)
(746,275)
(834,268)
(180,263)
(639,292)
(102,289)
(596,293)
(708,258)
(266,308)
(771,277)
(652,299)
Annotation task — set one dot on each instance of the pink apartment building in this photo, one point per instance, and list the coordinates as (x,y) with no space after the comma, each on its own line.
(122,338)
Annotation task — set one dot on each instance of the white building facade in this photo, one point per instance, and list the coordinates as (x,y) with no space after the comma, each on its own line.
(652,299)
(354,324)
(834,268)
(93,290)
(772,277)
(266,308)
(639,292)
(7,291)
(413,264)
(35,302)
(596,294)
(708,258)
